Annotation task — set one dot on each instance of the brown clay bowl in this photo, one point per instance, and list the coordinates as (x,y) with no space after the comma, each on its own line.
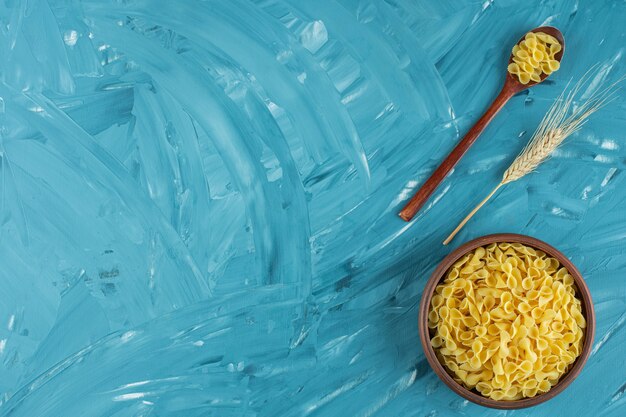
(472,395)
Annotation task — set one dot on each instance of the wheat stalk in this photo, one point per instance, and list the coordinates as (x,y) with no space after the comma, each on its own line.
(562,119)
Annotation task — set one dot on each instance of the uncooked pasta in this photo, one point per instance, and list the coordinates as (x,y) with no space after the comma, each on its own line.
(534,56)
(506,321)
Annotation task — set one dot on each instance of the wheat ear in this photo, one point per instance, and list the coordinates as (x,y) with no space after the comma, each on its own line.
(561,120)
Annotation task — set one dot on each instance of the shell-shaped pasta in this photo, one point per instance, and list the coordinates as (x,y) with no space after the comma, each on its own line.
(568,280)
(484,355)
(513,68)
(444,313)
(523,45)
(454,273)
(467,269)
(554,65)
(546,68)
(436,341)
(437,301)
(455,314)
(524,78)
(458,283)
(480,331)
(507,267)
(532,295)
(522,54)
(538,55)
(531,42)
(580,319)
(479,253)
(484,388)
(459,265)
(500,281)
(555,48)
(433,317)
(532,62)
(447,292)
(531,35)
(527,283)
(542,47)
(485,318)
(509,307)
(543,386)
(544,300)
(543,37)
(466,336)
(480,274)
(551,40)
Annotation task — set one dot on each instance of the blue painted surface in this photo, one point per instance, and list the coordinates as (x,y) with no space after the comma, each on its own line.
(199,200)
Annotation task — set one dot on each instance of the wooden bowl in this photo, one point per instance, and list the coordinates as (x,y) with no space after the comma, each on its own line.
(473,395)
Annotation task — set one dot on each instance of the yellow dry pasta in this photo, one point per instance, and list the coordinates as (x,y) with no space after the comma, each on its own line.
(506,321)
(534,56)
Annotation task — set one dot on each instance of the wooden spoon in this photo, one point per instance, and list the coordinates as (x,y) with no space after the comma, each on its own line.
(511,87)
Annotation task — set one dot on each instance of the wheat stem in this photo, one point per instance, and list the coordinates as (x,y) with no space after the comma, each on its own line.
(561,121)
(470,215)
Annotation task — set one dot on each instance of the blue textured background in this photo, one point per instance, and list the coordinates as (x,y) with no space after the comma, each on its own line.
(199,200)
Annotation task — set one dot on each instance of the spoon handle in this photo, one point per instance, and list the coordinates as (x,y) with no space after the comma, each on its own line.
(422,195)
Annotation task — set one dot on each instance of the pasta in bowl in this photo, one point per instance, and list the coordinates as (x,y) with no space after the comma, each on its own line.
(506,321)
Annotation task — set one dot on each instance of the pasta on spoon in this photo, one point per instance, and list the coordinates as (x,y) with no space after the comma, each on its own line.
(534,56)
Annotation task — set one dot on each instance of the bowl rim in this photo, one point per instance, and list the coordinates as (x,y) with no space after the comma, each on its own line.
(437,276)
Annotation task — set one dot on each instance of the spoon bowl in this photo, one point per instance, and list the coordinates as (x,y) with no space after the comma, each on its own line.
(511,79)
